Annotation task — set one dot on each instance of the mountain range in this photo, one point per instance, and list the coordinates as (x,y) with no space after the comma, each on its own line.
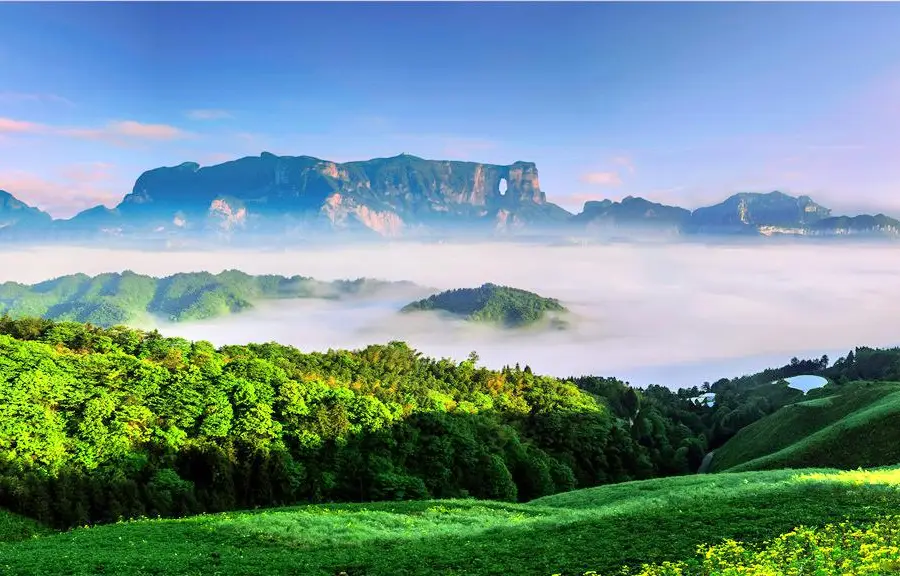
(304,197)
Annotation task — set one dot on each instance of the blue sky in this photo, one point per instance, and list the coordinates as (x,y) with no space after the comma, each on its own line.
(681,103)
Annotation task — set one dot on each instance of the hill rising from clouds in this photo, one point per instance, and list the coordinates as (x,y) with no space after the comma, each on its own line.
(127,297)
(303,197)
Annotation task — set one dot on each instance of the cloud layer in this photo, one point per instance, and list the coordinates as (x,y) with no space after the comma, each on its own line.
(671,314)
(65,191)
(602,178)
(117,131)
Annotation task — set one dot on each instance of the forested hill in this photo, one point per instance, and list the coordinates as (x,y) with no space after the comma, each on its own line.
(98,424)
(101,423)
(501,305)
(121,298)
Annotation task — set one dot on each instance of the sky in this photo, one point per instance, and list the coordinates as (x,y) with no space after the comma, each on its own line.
(679,103)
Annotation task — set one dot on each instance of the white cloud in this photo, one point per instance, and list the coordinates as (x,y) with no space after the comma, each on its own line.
(602,178)
(67,190)
(116,132)
(11,126)
(127,130)
(671,313)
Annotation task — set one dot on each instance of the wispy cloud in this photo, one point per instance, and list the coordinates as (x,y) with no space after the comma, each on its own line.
(127,129)
(115,132)
(208,114)
(11,126)
(441,146)
(18,97)
(66,190)
(602,178)
(626,162)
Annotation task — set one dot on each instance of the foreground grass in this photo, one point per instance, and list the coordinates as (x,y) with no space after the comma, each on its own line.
(857,426)
(845,548)
(596,529)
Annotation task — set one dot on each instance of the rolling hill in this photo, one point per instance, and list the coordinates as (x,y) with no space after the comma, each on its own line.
(848,426)
(121,298)
(493,304)
(567,534)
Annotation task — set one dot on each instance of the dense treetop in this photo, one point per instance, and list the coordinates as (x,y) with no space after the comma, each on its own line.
(97,424)
(101,423)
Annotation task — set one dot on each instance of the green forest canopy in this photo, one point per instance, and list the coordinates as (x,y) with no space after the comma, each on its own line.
(97,424)
(490,303)
(121,298)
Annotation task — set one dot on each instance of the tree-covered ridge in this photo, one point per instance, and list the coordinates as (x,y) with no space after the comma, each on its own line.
(121,298)
(510,307)
(101,423)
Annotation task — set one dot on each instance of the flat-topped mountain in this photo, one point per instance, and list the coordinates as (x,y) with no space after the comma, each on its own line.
(303,197)
(277,194)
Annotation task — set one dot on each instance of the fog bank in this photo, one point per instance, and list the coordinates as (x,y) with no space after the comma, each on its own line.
(673,314)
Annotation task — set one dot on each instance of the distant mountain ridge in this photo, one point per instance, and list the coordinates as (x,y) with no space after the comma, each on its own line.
(303,197)
(13,212)
(122,298)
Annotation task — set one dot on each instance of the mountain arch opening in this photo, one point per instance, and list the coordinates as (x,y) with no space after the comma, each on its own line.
(501,187)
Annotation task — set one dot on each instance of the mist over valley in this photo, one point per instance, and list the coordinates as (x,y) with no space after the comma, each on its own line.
(672,314)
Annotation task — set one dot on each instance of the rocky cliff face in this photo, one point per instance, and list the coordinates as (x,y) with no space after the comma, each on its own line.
(386,196)
(750,211)
(298,197)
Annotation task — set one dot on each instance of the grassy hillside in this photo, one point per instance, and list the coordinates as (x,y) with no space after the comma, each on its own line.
(121,298)
(595,529)
(856,424)
(501,305)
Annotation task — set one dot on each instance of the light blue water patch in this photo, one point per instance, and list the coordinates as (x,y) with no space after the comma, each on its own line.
(806,382)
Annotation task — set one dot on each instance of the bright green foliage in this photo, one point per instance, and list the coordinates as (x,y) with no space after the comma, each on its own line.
(856,424)
(602,529)
(97,424)
(845,548)
(111,299)
(490,303)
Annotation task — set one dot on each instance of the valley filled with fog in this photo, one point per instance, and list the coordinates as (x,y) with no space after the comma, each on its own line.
(671,314)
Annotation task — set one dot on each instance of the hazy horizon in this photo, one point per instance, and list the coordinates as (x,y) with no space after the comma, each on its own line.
(670,314)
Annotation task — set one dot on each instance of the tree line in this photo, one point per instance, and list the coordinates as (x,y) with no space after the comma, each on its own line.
(98,424)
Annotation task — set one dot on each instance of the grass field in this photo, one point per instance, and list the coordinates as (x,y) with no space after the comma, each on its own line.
(595,529)
(856,426)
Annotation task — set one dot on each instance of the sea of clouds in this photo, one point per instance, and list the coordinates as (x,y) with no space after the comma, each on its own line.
(672,314)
